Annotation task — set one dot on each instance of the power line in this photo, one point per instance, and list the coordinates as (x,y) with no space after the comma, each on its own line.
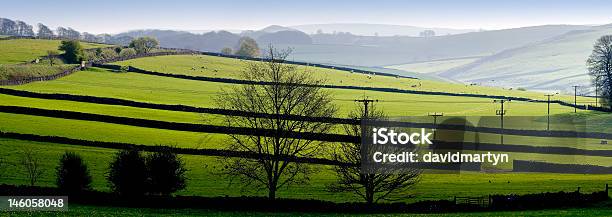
(548,113)
(575,99)
(366,102)
(501,113)
(435,116)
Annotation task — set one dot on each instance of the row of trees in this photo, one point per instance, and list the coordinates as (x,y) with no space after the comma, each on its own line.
(20,28)
(74,53)
(131,174)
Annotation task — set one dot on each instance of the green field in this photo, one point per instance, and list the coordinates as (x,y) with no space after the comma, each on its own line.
(212,66)
(204,177)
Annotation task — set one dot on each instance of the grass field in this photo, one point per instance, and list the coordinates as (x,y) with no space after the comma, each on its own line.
(204,172)
(205,179)
(211,66)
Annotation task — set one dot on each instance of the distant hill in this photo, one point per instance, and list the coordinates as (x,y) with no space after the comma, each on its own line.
(276,28)
(284,37)
(372,29)
(351,49)
(554,64)
(215,41)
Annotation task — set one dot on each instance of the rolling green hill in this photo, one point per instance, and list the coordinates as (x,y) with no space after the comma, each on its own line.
(554,64)
(204,177)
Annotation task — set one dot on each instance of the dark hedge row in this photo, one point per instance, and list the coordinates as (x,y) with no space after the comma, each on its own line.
(444,145)
(546,200)
(260,204)
(183,108)
(544,167)
(150,148)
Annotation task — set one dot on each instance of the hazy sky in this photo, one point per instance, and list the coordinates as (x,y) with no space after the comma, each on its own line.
(114,16)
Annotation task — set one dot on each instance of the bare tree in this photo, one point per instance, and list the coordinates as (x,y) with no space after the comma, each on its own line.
(32,163)
(44,32)
(371,187)
(8,27)
(600,67)
(23,29)
(288,91)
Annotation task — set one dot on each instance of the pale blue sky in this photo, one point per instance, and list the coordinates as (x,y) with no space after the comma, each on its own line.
(120,15)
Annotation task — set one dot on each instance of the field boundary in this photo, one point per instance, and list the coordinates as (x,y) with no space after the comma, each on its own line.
(522,166)
(89,64)
(498,202)
(189,127)
(185,127)
(154,148)
(168,107)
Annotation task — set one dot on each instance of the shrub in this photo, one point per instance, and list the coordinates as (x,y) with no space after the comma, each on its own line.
(226,51)
(127,173)
(72,174)
(166,172)
(127,52)
(521,89)
(144,44)
(73,52)
(247,47)
(109,54)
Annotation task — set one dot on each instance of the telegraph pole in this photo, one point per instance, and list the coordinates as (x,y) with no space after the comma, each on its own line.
(501,114)
(435,116)
(366,102)
(575,101)
(596,103)
(548,113)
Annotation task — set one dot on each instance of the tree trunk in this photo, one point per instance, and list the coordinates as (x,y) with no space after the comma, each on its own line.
(272,193)
(369,195)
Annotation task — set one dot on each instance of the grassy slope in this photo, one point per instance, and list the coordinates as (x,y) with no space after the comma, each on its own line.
(557,63)
(433,66)
(212,66)
(25,50)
